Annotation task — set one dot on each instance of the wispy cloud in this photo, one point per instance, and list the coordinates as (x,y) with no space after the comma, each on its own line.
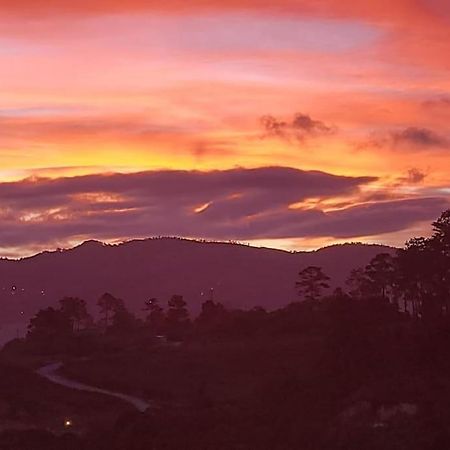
(413,176)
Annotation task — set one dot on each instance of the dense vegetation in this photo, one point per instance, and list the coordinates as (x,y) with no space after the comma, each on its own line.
(364,367)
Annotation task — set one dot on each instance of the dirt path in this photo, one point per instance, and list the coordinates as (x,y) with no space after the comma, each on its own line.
(50,372)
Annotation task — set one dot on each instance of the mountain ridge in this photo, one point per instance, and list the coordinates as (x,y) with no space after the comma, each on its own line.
(240,276)
(98,243)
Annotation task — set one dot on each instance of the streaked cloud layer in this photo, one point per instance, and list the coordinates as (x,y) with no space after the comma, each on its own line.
(357,90)
(241,204)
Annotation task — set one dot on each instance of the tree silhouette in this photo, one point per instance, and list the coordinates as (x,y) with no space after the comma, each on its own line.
(108,304)
(358,283)
(155,317)
(75,309)
(177,319)
(122,320)
(440,243)
(417,276)
(441,228)
(311,283)
(211,310)
(211,317)
(380,275)
(49,325)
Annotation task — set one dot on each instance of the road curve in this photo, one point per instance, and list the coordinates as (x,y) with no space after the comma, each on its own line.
(50,372)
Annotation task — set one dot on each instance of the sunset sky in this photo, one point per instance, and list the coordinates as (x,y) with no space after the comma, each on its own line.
(290,123)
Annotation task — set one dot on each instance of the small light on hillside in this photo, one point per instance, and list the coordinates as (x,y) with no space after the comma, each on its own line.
(68,423)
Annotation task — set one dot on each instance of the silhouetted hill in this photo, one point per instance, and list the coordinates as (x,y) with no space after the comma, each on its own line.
(241,276)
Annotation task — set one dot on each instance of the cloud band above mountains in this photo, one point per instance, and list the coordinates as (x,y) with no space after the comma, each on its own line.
(243,204)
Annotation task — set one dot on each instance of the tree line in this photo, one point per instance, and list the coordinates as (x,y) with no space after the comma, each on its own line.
(71,317)
(413,281)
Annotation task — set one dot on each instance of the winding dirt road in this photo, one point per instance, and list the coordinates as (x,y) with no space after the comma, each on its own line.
(50,372)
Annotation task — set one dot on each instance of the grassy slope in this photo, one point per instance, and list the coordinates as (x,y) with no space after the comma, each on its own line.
(224,372)
(28,401)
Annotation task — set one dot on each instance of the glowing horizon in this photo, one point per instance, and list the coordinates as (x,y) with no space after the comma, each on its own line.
(358,92)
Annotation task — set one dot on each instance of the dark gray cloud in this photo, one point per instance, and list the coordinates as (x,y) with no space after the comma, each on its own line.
(410,138)
(306,124)
(300,127)
(238,204)
(421,138)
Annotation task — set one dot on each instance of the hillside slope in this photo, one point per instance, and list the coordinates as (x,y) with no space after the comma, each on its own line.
(241,276)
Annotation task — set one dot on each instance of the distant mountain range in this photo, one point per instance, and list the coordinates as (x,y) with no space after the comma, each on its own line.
(239,275)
